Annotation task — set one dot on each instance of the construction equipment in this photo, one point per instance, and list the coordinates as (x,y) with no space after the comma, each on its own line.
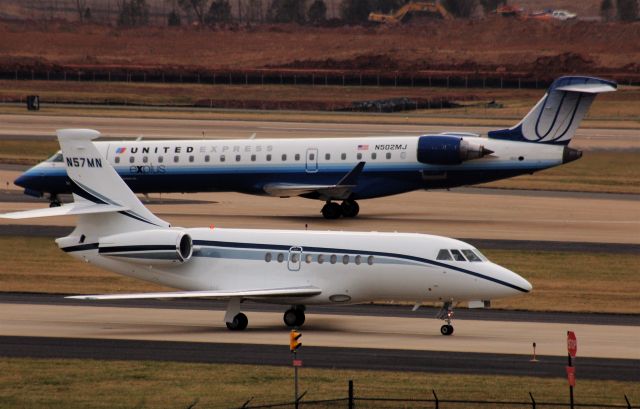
(408,9)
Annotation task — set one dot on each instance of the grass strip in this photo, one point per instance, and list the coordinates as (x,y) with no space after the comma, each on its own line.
(72,383)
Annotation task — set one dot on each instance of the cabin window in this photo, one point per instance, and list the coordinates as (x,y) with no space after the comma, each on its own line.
(269,157)
(327,156)
(370,260)
(471,256)
(308,258)
(267,257)
(191,158)
(343,156)
(284,157)
(176,159)
(388,155)
(312,156)
(374,155)
(358,259)
(457,256)
(207,158)
(359,156)
(297,157)
(345,259)
(222,158)
(237,158)
(403,155)
(117,159)
(145,159)
(131,159)
(295,257)
(160,159)
(333,259)
(444,255)
(280,257)
(253,158)
(320,258)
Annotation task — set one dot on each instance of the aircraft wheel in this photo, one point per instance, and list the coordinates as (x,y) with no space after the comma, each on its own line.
(294,317)
(446,329)
(331,210)
(240,322)
(350,208)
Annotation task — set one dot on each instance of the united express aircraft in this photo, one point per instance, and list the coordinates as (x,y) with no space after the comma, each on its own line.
(344,170)
(295,268)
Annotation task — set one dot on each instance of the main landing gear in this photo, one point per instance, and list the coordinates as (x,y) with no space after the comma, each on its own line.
(446,314)
(294,316)
(54,200)
(348,208)
(237,321)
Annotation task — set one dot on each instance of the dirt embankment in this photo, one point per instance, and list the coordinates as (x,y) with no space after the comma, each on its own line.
(491,45)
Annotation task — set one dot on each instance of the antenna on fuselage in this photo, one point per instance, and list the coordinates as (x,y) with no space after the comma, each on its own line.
(253,136)
(139,138)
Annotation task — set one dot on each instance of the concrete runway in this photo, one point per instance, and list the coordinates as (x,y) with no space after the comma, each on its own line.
(42,126)
(461,214)
(330,340)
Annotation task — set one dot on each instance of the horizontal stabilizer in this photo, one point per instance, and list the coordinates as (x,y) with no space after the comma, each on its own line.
(588,88)
(76,208)
(254,293)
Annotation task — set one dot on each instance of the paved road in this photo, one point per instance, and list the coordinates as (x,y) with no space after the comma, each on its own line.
(317,357)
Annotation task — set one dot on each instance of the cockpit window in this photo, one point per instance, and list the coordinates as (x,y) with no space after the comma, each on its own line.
(482,256)
(457,256)
(444,255)
(470,255)
(55,158)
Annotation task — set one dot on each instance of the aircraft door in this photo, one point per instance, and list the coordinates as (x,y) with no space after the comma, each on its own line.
(295,256)
(312,160)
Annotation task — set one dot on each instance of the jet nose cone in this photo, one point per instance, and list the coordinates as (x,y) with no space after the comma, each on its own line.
(23,180)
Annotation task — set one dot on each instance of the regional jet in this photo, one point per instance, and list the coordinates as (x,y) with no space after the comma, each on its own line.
(115,231)
(344,169)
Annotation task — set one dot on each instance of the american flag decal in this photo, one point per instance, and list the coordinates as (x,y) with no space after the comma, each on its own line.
(363,147)
(120,150)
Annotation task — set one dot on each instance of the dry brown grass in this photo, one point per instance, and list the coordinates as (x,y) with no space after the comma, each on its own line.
(562,281)
(56,383)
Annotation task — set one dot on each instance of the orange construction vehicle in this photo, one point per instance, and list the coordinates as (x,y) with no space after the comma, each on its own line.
(414,7)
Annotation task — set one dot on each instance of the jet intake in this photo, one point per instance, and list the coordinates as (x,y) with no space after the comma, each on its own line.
(448,150)
(148,247)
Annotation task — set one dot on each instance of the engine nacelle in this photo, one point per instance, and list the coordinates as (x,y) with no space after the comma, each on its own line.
(148,246)
(448,150)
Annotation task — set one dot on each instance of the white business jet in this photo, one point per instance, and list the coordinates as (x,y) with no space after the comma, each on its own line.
(296,268)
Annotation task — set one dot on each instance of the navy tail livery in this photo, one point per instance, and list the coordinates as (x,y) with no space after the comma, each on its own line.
(344,169)
(295,268)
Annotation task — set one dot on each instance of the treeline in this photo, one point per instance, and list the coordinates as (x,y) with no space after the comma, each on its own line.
(313,12)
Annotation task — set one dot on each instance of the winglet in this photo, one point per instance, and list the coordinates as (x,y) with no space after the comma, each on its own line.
(351,178)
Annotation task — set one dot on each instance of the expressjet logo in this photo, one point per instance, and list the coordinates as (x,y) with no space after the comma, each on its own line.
(84,162)
(147,169)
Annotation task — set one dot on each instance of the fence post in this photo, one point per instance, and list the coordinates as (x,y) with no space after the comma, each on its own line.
(436,398)
(628,403)
(533,401)
(351,405)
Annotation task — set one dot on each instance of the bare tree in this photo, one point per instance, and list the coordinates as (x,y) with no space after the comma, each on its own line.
(197,7)
(81,7)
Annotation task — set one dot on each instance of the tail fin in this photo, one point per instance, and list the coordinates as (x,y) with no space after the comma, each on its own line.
(104,203)
(555,118)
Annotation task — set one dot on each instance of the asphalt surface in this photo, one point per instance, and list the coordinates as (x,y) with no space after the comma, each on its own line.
(372,310)
(318,357)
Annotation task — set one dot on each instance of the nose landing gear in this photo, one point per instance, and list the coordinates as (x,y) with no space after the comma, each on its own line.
(446,314)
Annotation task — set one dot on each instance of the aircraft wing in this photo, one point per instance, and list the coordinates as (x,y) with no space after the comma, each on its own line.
(70,209)
(252,293)
(340,190)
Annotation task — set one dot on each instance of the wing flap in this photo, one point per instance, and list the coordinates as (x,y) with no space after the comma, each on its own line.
(252,293)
